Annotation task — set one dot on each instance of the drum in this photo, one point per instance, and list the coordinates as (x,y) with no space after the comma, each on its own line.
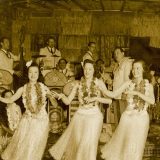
(55,78)
(56,119)
(68,87)
(6,78)
(75,103)
(50,62)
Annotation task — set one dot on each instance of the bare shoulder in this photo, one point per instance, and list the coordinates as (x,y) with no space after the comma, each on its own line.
(76,83)
(99,82)
(20,90)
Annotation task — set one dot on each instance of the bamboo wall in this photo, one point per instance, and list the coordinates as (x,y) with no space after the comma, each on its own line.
(74,30)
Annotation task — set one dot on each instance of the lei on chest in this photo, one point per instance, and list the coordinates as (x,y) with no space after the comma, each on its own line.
(85,91)
(34,97)
(135,101)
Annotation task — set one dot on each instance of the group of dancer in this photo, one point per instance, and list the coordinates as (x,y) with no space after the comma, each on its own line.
(80,140)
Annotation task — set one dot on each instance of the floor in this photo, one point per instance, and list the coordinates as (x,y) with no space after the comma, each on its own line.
(152,149)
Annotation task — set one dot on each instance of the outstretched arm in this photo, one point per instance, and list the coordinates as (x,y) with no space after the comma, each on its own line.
(65,99)
(99,99)
(51,97)
(112,94)
(12,99)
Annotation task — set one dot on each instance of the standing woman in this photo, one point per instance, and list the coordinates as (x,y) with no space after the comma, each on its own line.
(128,141)
(29,140)
(80,139)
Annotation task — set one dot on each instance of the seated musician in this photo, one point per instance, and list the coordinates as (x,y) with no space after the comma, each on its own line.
(64,68)
(6,57)
(99,68)
(7,60)
(51,53)
(103,73)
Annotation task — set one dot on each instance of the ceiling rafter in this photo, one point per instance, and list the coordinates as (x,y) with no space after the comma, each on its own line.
(102,5)
(48,4)
(83,7)
(60,4)
(151,1)
(40,4)
(146,6)
(123,5)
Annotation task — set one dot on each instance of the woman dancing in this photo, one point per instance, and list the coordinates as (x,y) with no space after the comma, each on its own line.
(29,140)
(128,141)
(80,139)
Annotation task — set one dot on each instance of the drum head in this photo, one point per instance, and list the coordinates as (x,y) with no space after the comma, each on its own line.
(68,87)
(55,79)
(5,77)
(56,118)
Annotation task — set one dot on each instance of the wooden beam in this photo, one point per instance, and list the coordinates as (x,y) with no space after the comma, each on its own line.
(150,1)
(39,3)
(58,4)
(102,5)
(80,5)
(158,1)
(123,5)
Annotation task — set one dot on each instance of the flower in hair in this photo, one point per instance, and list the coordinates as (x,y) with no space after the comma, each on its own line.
(28,64)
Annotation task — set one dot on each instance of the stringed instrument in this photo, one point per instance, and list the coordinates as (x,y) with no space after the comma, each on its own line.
(19,81)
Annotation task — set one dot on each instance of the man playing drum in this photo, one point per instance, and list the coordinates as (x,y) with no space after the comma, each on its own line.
(63,67)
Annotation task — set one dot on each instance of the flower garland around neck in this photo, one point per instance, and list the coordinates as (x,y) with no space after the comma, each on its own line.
(29,97)
(135,101)
(85,90)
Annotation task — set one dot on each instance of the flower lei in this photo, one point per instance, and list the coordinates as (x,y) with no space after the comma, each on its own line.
(28,97)
(85,91)
(135,101)
(14,115)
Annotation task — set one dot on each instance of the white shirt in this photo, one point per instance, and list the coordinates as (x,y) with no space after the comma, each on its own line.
(50,60)
(88,55)
(68,73)
(6,60)
(121,73)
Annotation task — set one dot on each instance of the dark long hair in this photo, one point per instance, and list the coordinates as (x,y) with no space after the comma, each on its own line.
(41,78)
(146,74)
(91,62)
(88,61)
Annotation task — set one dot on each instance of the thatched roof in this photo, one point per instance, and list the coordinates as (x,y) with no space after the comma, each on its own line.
(48,6)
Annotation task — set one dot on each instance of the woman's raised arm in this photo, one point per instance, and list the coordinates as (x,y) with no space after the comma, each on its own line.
(12,99)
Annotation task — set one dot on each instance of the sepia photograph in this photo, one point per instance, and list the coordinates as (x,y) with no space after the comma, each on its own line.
(79,79)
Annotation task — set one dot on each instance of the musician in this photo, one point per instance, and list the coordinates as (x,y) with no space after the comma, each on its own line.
(121,74)
(90,53)
(7,58)
(63,68)
(100,72)
(99,68)
(51,52)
